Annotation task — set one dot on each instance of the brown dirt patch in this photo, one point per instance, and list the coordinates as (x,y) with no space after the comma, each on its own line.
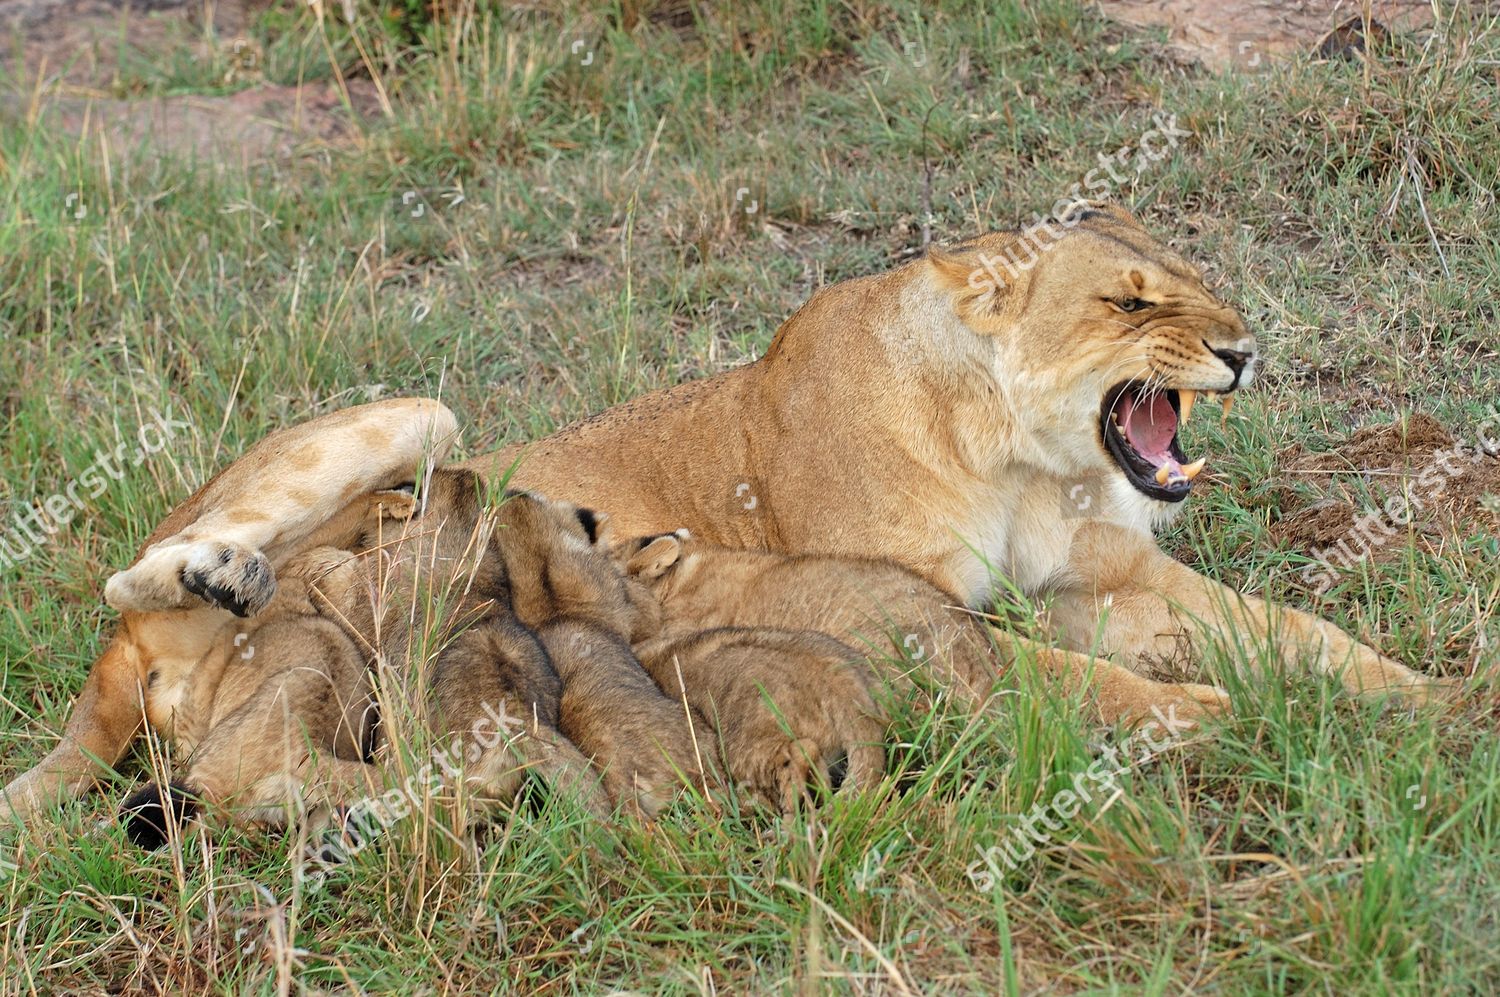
(1412,477)
(78,54)
(1249,35)
(260,122)
(1378,448)
(83,42)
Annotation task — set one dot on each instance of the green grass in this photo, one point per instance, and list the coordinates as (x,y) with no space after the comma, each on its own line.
(1309,844)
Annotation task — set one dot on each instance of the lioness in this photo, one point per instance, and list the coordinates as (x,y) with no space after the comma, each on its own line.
(982,412)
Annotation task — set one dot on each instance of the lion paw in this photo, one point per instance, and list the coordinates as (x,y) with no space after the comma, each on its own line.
(394,503)
(1206,700)
(182,575)
(1180,707)
(229,576)
(1424,691)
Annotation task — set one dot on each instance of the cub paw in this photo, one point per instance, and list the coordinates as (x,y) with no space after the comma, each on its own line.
(229,576)
(802,772)
(394,503)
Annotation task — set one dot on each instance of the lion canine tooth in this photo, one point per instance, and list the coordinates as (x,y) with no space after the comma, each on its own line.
(1186,397)
(1161,475)
(1227,403)
(1190,471)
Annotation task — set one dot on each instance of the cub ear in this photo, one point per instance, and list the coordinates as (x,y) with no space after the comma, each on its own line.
(654,558)
(594,523)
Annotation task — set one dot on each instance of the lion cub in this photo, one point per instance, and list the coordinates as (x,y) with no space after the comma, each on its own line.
(273,711)
(566,587)
(788,706)
(291,718)
(902,623)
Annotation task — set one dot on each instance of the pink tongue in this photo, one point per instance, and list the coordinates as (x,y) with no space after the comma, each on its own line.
(1149,425)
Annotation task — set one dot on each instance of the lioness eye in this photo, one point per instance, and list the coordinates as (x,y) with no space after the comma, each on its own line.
(1133,305)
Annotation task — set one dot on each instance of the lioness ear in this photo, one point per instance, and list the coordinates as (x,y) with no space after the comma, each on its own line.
(652,561)
(981,277)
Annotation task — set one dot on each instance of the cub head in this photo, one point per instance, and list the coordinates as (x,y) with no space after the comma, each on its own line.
(557,562)
(1098,340)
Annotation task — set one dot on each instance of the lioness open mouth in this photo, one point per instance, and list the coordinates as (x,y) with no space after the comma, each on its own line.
(1139,426)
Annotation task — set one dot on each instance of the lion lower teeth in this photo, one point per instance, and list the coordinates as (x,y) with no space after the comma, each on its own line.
(1161,475)
(1227,403)
(1190,471)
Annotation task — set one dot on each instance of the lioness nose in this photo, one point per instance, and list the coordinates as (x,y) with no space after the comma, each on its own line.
(1235,360)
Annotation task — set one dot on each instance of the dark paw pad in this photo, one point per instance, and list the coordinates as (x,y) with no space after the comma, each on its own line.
(149,814)
(240,581)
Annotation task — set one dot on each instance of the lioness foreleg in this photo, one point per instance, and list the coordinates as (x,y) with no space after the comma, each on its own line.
(1119,695)
(1151,605)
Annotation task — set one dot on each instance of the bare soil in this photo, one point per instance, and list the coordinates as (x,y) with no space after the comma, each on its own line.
(74,53)
(1249,35)
(1417,469)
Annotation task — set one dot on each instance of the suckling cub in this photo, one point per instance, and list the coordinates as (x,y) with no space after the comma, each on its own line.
(280,713)
(903,624)
(565,586)
(788,707)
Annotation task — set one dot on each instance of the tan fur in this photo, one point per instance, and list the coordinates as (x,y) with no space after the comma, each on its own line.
(565,585)
(908,628)
(166,625)
(267,727)
(921,416)
(438,588)
(786,706)
(648,747)
(929,417)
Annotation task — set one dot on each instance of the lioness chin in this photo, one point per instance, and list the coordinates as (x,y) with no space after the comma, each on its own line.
(985,412)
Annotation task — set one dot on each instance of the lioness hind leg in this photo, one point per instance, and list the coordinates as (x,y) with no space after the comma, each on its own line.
(221,545)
